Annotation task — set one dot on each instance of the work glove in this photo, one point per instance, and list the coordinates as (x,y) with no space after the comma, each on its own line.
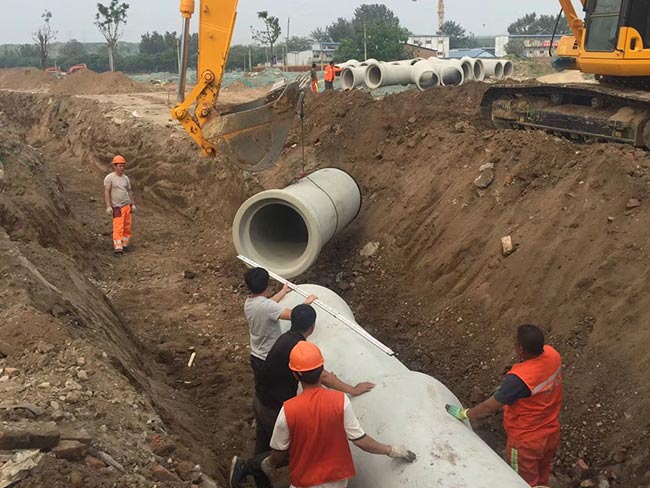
(459,413)
(401,452)
(109,211)
(267,467)
(132,208)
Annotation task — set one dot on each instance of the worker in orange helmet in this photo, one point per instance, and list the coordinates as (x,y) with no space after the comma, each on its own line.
(330,73)
(118,196)
(531,396)
(314,79)
(314,430)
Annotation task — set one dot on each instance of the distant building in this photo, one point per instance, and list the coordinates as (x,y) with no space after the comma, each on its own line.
(479,52)
(320,53)
(434,42)
(535,46)
(414,51)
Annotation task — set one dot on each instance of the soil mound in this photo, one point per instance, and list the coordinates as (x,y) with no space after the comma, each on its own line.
(25,79)
(87,82)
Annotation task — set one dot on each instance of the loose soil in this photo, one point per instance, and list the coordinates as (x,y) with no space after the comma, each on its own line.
(438,291)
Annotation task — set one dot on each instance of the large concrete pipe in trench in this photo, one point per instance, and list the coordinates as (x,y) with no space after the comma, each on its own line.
(478,70)
(405,408)
(388,74)
(493,68)
(285,230)
(425,75)
(354,76)
(451,71)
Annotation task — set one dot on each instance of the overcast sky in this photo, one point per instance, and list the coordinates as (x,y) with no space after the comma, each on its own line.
(74,18)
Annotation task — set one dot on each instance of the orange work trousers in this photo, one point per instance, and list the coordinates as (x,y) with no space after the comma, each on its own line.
(532,459)
(314,86)
(121,227)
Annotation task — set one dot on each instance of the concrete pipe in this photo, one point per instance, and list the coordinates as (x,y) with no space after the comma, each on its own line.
(452,71)
(285,230)
(477,71)
(388,74)
(425,75)
(493,68)
(404,408)
(508,69)
(407,62)
(348,64)
(353,76)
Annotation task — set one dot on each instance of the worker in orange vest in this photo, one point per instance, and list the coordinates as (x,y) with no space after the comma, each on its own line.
(330,74)
(314,431)
(118,197)
(531,396)
(314,79)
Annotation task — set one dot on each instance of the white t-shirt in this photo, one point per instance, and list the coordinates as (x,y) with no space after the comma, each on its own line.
(120,187)
(281,438)
(263,315)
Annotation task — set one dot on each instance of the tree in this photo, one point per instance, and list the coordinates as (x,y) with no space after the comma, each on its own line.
(516,47)
(457,35)
(271,32)
(73,51)
(44,36)
(320,35)
(110,21)
(299,43)
(153,43)
(374,30)
(531,24)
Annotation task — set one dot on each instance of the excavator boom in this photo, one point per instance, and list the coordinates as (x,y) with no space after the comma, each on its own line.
(251,135)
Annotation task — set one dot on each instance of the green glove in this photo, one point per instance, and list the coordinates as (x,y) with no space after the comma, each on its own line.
(457,412)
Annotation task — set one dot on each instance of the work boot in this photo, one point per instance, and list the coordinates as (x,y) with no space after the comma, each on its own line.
(118,254)
(237,475)
(127,249)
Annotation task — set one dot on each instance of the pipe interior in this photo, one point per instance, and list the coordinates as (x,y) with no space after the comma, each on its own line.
(428,79)
(347,79)
(498,70)
(467,70)
(374,75)
(508,68)
(279,234)
(452,77)
(478,71)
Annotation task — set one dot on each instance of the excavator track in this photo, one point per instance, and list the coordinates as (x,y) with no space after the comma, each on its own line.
(579,111)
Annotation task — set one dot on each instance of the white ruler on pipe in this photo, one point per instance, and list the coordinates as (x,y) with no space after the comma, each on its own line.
(348,323)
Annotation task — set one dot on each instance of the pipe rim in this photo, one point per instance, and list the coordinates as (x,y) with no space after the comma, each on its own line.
(508,69)
(374,76)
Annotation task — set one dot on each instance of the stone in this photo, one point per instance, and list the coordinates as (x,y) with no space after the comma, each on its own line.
(587,484)
(29,435)
(369,249)
(11,372)
(610,219)
(411,143)
(207,482)
(189,275)
(54,405)
(4,378)
(412,120)
(29,408)
(81,361)
(485,179)
(76,479)
(344,286)
(632,203)
(73,385)
(185,470)
(160,473)
(94,463)
(57,415)
(486,166)
(70,450)
(79,434)
(44,386)
(603,483)
(73,397)
(162,446)
(507,248)
(82,375)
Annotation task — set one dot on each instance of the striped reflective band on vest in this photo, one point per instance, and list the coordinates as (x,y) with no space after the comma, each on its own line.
(547,382)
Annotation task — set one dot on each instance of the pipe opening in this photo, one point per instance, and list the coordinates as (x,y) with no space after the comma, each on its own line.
(498,70)
(452,77)
(279,234)
(478,71)
(347,79)
(428,79)
(467,70)
(508,69)
(374,76)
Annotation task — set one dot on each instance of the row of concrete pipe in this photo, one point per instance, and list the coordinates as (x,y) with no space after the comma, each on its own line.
(424,73)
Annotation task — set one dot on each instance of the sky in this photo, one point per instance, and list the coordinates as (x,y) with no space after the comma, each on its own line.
(74,18)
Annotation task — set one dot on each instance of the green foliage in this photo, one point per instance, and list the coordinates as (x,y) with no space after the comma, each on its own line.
(238,57)
(156,43)
(516,47)
(532,24)
(299,43)
(376,26)
(458,37)
(320,35)
(110,21)
(74,50)
(271,32)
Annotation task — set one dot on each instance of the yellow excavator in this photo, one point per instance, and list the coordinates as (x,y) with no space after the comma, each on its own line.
(250,135)
(613,43)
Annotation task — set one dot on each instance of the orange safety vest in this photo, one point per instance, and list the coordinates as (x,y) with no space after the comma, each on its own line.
(538,415)
(319,451)
(330,72)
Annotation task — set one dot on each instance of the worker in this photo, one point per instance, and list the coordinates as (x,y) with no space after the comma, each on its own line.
(278,383)
(314,79)
(313,432)
(531,395)
(263,316)
(118,197)
(330,73)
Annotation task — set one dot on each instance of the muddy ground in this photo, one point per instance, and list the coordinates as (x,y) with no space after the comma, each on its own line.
(439,291)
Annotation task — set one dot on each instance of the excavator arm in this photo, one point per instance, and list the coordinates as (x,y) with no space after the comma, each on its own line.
(251,135)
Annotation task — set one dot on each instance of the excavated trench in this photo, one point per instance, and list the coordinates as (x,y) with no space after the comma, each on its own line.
(438,290)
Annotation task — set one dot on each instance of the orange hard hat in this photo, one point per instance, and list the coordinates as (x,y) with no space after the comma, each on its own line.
(305,356)
(119,160)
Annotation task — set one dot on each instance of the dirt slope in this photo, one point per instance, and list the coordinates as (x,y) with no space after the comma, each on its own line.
(438,291)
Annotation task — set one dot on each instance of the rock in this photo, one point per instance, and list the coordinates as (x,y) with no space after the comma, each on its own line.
(2,172)
(73,397)
(33,410)
(76,479)
(632,203)
(185,470)
(207,482)
(344,286)
(587,484)
(29,435)
(70,450)
(70,433)
(82,375)
(81,361)
(162,446)
(411,143)
(54,405)
(11,372)
(45,385)
(412,120)
(160,473)
(189,275)
(485,179)
(507,248)
(107,458)
(57,415)
(73,385)
(603,483)
(581,468)
(369,249)
(486,166)
(4,378)
(94,463)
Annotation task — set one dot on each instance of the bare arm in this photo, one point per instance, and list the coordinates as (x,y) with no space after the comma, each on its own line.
(485,409)
(107,195)
(331,381)
(131,197)
(368,444)
(281,294)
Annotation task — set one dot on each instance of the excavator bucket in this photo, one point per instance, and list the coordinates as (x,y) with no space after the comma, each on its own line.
(252,135)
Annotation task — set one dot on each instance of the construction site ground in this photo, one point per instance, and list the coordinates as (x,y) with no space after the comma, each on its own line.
(101,344)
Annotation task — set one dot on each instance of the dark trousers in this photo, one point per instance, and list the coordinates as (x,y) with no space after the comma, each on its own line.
(257,365)
(329,85)
(253,467)
(265,418)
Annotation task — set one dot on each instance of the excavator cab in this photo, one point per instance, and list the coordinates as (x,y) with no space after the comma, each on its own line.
(251,135)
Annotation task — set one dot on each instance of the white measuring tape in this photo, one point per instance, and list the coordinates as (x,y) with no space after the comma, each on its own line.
(348,323)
